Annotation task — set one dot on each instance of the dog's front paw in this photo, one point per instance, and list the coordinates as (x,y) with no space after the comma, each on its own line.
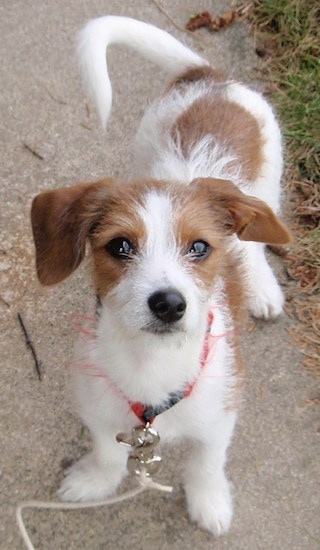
(265,297)
(86,481)
(210,506)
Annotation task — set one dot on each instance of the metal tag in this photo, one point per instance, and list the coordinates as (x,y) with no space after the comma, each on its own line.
(142,440)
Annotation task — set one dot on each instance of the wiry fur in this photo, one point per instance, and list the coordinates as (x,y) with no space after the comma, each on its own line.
(204,131)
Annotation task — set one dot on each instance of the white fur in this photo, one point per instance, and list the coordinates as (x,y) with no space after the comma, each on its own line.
(151,42)
(132,363)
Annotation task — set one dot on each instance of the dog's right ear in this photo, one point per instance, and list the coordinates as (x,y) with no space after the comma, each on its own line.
(61,221)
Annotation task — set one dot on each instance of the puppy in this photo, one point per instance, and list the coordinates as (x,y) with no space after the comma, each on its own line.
(178,254)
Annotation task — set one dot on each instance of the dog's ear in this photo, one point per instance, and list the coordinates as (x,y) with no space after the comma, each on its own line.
(61,221)
(250,218)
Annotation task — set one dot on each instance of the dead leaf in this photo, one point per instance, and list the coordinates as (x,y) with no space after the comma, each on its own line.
(222,21)
(202,19)
(205,19)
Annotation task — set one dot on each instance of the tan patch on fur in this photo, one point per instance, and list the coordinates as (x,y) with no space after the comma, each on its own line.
(119,217)
(232,126)
(120,221)
(197,221)
(200,73)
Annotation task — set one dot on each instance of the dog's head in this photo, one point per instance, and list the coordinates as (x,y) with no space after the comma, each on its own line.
(158,248)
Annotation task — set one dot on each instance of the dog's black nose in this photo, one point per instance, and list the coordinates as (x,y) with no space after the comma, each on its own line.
(168,305)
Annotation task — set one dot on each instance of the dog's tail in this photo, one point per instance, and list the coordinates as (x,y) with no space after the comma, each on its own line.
(152,43)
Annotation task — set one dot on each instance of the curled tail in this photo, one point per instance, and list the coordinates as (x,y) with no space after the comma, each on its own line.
(152,43)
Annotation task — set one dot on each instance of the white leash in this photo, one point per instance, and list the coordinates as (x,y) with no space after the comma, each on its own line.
(145,483)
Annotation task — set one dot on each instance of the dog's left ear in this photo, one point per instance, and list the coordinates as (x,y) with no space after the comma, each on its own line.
(61,221)
(250,218)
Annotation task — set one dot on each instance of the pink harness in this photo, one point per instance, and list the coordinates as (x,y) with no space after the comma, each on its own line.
(146,414)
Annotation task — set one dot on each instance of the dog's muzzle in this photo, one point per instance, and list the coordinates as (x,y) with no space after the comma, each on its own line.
(167,305)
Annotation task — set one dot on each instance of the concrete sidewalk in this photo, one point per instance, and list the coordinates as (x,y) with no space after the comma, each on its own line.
(49,138)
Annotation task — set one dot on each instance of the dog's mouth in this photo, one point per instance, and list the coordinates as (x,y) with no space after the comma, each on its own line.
(162,329)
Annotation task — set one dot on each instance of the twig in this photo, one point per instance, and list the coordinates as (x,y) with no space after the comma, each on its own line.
(33,151)
(179,27)
(56,99)
(86,126)
(31,346)
(4,301)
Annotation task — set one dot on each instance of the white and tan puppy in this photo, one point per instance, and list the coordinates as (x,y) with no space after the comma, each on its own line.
(178,254)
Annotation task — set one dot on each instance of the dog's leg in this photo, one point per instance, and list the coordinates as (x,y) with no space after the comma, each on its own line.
(264,293)
(98,474)
(207,488)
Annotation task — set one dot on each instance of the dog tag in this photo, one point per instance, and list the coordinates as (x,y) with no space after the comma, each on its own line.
(145,437)
(142,440)
(125,439)
(150,466)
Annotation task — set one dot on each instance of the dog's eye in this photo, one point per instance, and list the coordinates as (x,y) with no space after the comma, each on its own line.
(199,250)
(120,248)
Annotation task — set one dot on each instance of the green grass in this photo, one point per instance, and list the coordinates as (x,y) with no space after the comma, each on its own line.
(293,26)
